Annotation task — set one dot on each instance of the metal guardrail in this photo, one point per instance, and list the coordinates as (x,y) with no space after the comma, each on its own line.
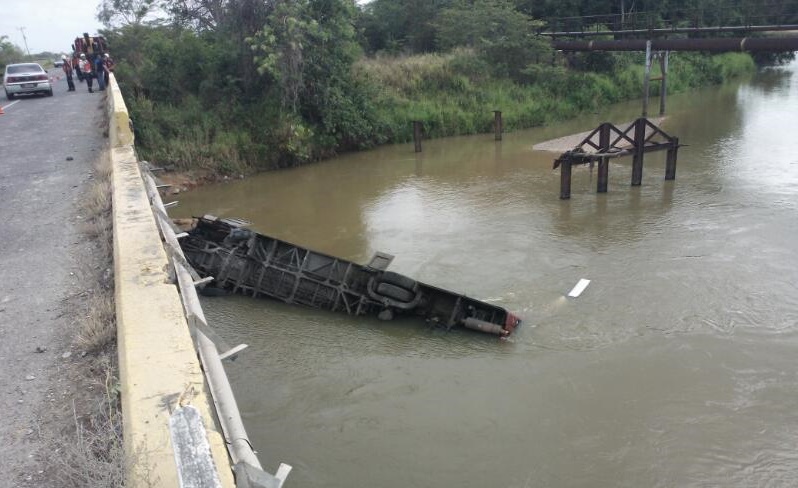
(247,467)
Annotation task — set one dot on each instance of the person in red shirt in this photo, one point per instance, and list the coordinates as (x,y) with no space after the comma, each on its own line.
(67,67)
(85,68)
(108,63)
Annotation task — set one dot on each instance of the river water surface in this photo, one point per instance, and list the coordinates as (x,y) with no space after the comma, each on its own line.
(675,368)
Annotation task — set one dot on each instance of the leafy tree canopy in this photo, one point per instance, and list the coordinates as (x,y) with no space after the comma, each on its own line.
(9,52)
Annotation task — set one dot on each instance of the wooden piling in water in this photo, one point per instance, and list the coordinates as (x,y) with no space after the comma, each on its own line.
(417,134)
(640,142)
(604,163)
(565,179)
(670,159)
(497,124)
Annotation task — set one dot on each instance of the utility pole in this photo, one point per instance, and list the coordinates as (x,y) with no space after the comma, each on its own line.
(24,39)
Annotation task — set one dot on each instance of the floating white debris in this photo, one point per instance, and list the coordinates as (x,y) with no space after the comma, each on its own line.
(579,288)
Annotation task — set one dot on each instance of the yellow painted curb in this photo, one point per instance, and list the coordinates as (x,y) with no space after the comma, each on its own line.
(120,131)
(158,363)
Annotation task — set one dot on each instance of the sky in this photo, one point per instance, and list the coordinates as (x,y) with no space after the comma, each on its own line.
(50,25)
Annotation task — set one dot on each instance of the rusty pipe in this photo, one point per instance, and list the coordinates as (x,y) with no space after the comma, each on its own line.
(740,44)
(482,326)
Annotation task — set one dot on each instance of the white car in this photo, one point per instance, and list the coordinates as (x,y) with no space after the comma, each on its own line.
(26,78)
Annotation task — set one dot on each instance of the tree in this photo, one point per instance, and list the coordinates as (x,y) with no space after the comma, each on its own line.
(395,25)
(200,14)
(232,16)
(9,52)
(280,48)
(116,13)
(503,36)
(306,50)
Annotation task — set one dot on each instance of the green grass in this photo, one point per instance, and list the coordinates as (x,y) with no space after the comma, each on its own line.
(452,95)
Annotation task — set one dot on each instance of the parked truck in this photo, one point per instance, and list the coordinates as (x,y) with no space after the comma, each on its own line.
(92,46)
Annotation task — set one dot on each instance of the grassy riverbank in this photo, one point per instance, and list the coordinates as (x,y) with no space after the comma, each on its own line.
(254,86)
(453,94)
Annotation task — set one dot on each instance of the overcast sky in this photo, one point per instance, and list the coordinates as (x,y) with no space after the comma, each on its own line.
(50,25)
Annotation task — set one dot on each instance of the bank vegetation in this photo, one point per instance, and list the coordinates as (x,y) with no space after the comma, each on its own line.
(249,85)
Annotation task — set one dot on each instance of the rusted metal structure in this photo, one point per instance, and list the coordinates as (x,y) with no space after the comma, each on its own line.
(649,32)
(665,46)
(243,261)
(598,31)
(743,17)
(607,142)
(726,44)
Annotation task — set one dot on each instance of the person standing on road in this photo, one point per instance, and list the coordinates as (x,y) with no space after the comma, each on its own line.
(99,71)
(67,67)
(109,67)
(85,68)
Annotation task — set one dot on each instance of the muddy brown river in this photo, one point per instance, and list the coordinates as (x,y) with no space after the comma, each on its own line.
(677,367)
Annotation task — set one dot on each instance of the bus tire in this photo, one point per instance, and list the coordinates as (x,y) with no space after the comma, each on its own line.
(396,279)
(396,293)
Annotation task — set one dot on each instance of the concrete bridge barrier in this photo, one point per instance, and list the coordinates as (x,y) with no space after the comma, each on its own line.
(158,366)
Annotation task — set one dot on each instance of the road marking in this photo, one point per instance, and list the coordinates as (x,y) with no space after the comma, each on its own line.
(12,103)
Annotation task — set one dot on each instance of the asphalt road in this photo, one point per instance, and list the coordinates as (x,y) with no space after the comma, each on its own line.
(40,252)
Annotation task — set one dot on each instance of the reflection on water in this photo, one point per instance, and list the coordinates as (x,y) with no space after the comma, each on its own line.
(674,368)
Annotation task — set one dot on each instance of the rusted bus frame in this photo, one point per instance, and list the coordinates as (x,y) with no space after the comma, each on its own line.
(327,282)
(296,283)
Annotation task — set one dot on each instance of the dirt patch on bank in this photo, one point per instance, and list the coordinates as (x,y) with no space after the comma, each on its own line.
(183,181)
